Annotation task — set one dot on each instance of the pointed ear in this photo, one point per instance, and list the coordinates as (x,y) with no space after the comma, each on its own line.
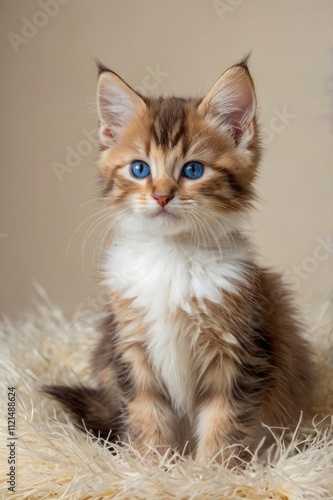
(230,106)
(118,103)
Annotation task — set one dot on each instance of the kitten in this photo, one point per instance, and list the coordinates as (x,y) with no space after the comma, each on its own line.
(201,344)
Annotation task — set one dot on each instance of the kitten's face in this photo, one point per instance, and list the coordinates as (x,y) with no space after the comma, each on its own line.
(176,165)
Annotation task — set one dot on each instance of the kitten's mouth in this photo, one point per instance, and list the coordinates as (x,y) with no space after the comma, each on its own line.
(164,215)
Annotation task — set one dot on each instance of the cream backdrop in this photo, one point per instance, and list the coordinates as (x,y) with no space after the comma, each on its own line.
(48,83)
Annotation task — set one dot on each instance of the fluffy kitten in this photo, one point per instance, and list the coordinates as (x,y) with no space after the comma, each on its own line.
(201,344)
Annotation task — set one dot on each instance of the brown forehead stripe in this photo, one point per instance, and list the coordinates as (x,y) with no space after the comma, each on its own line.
(168,121)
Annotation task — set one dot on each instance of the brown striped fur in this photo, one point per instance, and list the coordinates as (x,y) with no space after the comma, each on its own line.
(244,360)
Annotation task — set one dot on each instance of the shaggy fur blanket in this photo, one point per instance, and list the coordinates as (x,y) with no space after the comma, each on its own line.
(53,459)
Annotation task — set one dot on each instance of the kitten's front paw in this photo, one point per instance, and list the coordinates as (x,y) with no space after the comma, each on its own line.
(149,448)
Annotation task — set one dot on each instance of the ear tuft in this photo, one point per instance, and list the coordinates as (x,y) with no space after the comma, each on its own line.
(101,68)
(244,62)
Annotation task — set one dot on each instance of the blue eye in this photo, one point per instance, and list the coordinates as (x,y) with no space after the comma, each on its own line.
(140,169)
(193,170)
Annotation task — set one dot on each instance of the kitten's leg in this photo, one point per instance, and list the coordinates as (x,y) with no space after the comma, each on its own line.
(122,363)
(228,411)
(215,421)
(151,422)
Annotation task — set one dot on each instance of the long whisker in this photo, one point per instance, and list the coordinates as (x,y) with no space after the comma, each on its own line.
(100,220)
(226,234)
(77,229)
(117,222)
(109,229)
(194,230)
(97,200)
(211,231)
(92,228)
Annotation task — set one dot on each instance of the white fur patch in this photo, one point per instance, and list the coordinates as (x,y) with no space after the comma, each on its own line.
(163,279)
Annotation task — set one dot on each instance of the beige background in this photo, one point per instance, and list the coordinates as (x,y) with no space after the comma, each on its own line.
(47,102)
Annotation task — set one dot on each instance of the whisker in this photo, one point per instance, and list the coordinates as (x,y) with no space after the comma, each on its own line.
(97,200)
(227,234)
(90,231)
(77,229)
(108,231)
(212,232)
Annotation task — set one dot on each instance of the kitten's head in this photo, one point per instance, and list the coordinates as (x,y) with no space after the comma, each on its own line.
(174,165)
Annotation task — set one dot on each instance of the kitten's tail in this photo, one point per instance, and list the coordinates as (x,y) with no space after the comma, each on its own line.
(91,409)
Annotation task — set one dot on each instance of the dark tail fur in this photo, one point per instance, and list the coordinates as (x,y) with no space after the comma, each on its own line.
(91,409)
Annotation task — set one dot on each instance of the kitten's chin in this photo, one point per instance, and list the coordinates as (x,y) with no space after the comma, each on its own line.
(166,224)
(163,223)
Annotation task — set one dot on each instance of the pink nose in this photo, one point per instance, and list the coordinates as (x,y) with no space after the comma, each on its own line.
(162,200)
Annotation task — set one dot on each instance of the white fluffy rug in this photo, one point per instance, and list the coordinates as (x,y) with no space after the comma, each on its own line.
(55,460)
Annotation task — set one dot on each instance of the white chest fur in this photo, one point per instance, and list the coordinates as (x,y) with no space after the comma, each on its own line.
(163,278)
